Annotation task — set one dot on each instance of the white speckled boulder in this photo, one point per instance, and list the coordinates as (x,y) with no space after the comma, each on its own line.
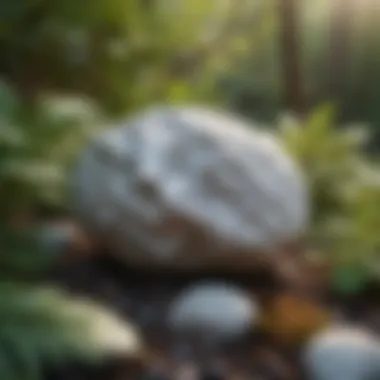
(192,188)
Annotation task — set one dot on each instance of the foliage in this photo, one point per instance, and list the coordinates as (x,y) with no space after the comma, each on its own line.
(39,326)
(28,260)
(123,54)
(37,146)
(105,57)
(345,189)
(42,327)
(54,56)
(252,80)
(250,77)
(65,64)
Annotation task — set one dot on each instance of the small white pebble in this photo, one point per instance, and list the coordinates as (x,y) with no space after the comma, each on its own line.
(213,310)
(340,352)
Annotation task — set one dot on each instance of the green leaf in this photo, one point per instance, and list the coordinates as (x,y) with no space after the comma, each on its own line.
(349,280)
(40,326)
(9,103)
(7,369)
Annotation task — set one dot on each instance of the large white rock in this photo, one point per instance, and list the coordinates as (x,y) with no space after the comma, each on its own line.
(213,311)
(190,187)
(343,353)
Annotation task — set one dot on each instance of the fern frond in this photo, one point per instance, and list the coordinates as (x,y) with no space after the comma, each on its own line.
(45,327)
(345,187)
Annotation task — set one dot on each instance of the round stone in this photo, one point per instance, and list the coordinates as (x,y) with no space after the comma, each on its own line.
(343,353)
(213,311)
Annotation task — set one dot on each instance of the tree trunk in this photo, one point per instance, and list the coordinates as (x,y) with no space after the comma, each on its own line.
(293,86)
(340,29)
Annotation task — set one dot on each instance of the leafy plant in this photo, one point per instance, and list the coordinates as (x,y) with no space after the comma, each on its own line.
(22,257)
(38,144)
(345,191)
(108,50)
(42,327)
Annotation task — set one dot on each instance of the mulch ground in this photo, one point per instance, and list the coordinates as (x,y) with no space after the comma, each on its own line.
(144,299)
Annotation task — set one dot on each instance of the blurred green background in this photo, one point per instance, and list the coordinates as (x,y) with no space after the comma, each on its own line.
(70,67)
(307,69)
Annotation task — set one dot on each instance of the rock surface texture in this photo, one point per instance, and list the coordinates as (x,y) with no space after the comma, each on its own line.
(190,187)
